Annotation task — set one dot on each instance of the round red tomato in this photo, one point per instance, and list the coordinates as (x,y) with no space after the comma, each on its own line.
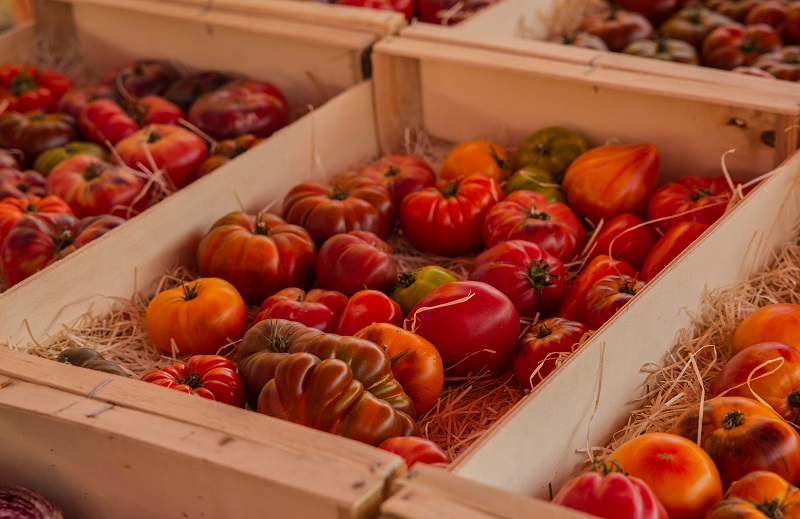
(607,297)
(318,308)
(778,322)
(414,449)
(472,324)
(259,254)
(209,376)
(617,27)
(199,317)
(529,216)
(400,174)
(448,219)
(734,45)
(532,278)
(354,261)
(624,237)
(537,351)
(689,199)
(367,307)
(669,246)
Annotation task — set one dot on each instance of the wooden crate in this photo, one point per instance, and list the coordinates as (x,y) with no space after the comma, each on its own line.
(437,90)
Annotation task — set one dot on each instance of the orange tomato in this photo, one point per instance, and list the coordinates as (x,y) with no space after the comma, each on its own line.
(477,157)
(760,494)
(679,472)
(778,322)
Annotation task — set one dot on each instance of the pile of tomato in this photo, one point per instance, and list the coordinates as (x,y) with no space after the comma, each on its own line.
(77,161)
(440,12)
(758,37)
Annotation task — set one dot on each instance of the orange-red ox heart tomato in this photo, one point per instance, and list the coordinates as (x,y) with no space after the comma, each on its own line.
(199,317)
(209,376)
(774,322)
(354,261)
(611,180)
(760,494)
(670,246)
(537,351)
(473,325)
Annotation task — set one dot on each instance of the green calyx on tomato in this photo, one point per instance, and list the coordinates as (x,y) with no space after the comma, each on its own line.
(153,137)
(190,290)
(539,275)
(413,286)
(450,190)
(733,419)
(22,82)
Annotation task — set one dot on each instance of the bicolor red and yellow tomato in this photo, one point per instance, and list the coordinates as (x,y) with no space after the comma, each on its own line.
(778,322)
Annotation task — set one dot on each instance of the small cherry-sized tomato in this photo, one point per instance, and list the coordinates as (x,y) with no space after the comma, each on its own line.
(209,376)
(400,175)
(367,307)
(199,317)
(414,449)
(538,350)
(679,472)
(412,286)
(607,297)
(472,324)
(669,246)
(779,322)
(471,157)
(625,237)
(550,149)
(572,305)
(354,261)
(760,494)
(689,198)
(416,363)
(318,308)
(227,150)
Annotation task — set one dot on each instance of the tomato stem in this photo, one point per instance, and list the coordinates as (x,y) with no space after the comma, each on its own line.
(533,212)
(771,509)
(338,192)
(628,287)
(405,279)
(734,418)
(153,137)
(501,162)
(21,83)
(392,170)
(261,228)
(63,240)
(190,291)
(91,173)
(701,193)
(544,331)
(450,189)
(193,381)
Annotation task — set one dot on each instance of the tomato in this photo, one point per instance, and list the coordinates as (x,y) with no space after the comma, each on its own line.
(527,215)
(607,296)
(531,277)
(258,254)
(400,175)
(667,49)
(736,9)
(742,435)
(20,184)
(472,324)
(414,449)
(238,107)
(770,12)
(531,178)
(624,237)
(407,7)
(790,31)
(702,199)
(777,383)
(551,149)
(26,88)
(779,322)
(412,286)
(611,495)
(733,45)
(447,219)
(668,247)
(226,150)
(318,308)
(754,71)
(49,159)
(12,209)
(199,317)
(760,494)
(617,27)
(209,376)
(656,11)
(152,110)
(185,91)
(34,132)
(90,358)
(611,180)
(681,474)
(692,24)
(366,307)
(416,363)
(470,157)
(538,350)
(104,120)
(355,261)
(352,202)
(572,305)
(92,186)
(143,77)
(76,98)
(171,148)
(783,63)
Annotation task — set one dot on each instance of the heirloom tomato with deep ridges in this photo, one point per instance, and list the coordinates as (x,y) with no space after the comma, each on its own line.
(760,494)
(12,209)
(624,237)
(742,435)
(538,351)
(318,308)
(470,157)
(412,286)
(49,159)
(21,184)
(366,307)
(209,376)
(734,45)
(617,27)
(527,215)
(104,120)
(607,296)
(778,322)
(143,77)
(36,131)
(447,219)
(669,246)
(690,199)
(400,175)
(414,449)
(26,88)
(258,254)
(198,317)
(351,202)
(573,304)
(472,324)
(354,261)
(692,24)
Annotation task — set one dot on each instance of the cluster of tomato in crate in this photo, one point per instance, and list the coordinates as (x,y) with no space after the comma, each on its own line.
(76,161)
(439,12)
(735,455)
(758,37)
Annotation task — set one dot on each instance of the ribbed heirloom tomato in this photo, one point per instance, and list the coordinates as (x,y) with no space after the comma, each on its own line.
(209,376)
(356,260)
(608,295)
(400,175)
(12,209)
(316,309)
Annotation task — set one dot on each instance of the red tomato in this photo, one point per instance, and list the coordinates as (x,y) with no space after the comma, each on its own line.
(354,261)
(400,175)
(200,317)
(526,273)
(449,12)
(365,308)
(783,63)
(26,88)
(174,149)
(607,296)
(611,180)
(143,77)
(691,24)
(791,24)
(32,133)
(104,120)
(448,219)
(528,215)
(734,45)
(407,7)
(12,209)
(153,110)
(92,186)
(209,376)
(20,184)
(735,9)
(778,322)
(624,237)
(472,324)
(184,91)
(259,254)
(572,304)
(537,351)
(656,11)
(414,449)
(680,473)
(471,157)
(617,27)
(668,247)
(318,308)
(76,98)
(703,199)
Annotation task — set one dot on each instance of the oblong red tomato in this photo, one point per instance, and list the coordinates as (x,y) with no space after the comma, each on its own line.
(354,261)
(573,304)
(690,198)
(537,351)
(669,246)
(625,237)
(400,175)
(778,322)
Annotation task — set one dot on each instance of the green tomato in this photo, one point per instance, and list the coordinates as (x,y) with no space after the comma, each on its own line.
(531,178)
(49,159)
(552,149)
(413,286)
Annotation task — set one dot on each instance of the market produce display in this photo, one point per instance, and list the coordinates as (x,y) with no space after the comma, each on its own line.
(444,12)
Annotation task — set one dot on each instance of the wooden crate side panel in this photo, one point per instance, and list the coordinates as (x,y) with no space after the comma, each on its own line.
(18,43)
(98,462)
(339,135)
(566,413)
